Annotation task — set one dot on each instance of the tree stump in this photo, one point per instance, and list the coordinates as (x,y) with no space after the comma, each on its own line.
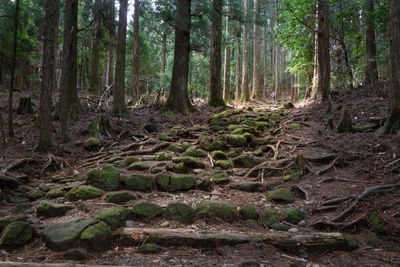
(25,106)
(100,126)
(345,125)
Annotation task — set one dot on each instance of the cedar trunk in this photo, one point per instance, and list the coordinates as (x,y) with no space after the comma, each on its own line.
(111,31)
(94,84)
(324,68)
(371,75)
(245,94)
(136,51)
(265,51)
(238,70)
(227,65)
(256,53)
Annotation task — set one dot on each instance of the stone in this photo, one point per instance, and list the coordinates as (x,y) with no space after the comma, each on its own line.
(258,152)
(236,140)
(176,148)
(191,162)
(218,145)
(181,168)
(17,234)
(138,182)
(218,155)
(76,254)
(280,227)
(20,208)
(7,181)
(151,127)
(181,212)
(244,161)
(97,237)
(205,142)
(162,156)
(146,211)
(376,222)
(221,178)
(115,217)
(248,212)
(236,152)
(373,240)
(150,248)
(281,195)
(205,184)
(83,192)
(4,221)
(107,178)
(351,242)
(50,209)
(63,236)
(224,211)
(55,192)
(293,215)
(120,197)
(129,160)
(172,182)
(269,217)
(140,166)
(91,144)
(245,186)
(251,223)
(223,164)
(193,152)
(16,199)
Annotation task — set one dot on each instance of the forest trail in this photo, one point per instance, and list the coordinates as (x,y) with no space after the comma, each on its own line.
(263,185)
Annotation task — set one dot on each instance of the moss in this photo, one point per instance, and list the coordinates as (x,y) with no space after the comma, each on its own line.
(129,160)
(119,197)
(293,215)
(236,152)
(345,124)
(245,186)
(281,195)
(218,145)
(181,168)
(49,209)
(223,164)
(275,117)
(146,211)
(248,212)
(251,223)
(150,248)
(35,194)
(223,114)
(224,211)
(97,237)
(176,148)
(295,125)
(258,152)
(138,182)
(162,156)
(261,125)
(181,212)
(249,137)
(4,221)
(244,161)
(191,162)
(16,234)
(106,178)
(115,217)
(91,143)
(82,206)
(243,130)
(55,192)
(193,152)
(205,142)
(372,240)
(83,192)
(172,182)
(221,178)
(164,137)
(205,184)
(236,140)
(269,217)
(170,115)
(376,221)
(140,166)
(218,155)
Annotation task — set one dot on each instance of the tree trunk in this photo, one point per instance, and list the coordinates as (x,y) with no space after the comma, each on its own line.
(94,85)
(238,70)
(245,94)
(163,59)
(324,70)
(178,99)
(265,51)
(276,53)
(371,75)
(392,124)
(136,51)
(227,65)
(315,80)
(119,88)
(256,53)
(111,32)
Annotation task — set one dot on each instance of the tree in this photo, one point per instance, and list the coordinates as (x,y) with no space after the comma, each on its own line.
(136,50)
(245,95)
(276,52)
(227,61)
(119,88)
(215,91)
(178,99)
(392,124)
(371,75)
(111,32)
(265,69)
(324,69)
(94,85)
(256,52)
(48,68)
(238,73)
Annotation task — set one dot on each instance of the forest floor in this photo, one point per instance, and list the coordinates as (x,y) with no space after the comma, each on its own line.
(334,181)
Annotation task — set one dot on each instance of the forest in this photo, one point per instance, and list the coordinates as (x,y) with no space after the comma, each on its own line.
(190,133)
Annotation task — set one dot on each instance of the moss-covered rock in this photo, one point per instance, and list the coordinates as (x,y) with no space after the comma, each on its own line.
(351,242)
(248,212)
(224,211)
(224,114)
(218,145)
(258,152)
(51,209)
(375,221)
(162,156)
(115,217)
(269,217)
(181,212)
(150,248)
(194,152)
(205,184)
(372,239)
(251,224)
(106,178)
(218,155)
(191,162)
(140,166)
(176,148)
(293,215)
(55,192)
(138,182)
(145,211)
(92,143)
(172,182)
(97,237)
(17,234)
(221,178)
(129,160)
(223,164)
(236,152)
(244,161)
(76,254)
(281,195)
(120,197)
(83,192)
(236,140)
(35,194)
(205,142)
(245,186)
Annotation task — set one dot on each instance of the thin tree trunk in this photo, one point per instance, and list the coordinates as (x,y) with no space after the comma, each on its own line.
(324,70)
(265,51)
(163,58)
(238,70)
(256,53)
(119,88)
(111,32)
(136,51)
(215,91)
(315,80)
(371,75)
(227,65)
(245,94)
(276,53)
(94,85)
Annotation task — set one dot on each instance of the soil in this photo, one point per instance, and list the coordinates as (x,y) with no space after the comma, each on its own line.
(338,166)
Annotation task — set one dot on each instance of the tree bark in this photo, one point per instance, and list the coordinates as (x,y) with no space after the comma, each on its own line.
(276,54)
(315,80)
(256,52)
(371,75)
(245,94)
(136,51)
(324,68)
(46,139)
(178,99)
(163,58)
(119,88)
(111,32)
(238,70)
(265,69)
(94,85)
(227,65)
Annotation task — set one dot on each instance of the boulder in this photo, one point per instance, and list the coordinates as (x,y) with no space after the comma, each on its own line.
(172,182)
(191,162)
(181,212)
(97,237)
(92,143)
(140,166)
(17,234)
(83,192)
(106,178)
(4,221)
(269,217)
(223,164)
(293,215)
(115,217)
(248,212)
(281,195)
(138,182)
(224,211)
(221,178)
(162,156)
(76,254)
(120,197)
(218,155)
(244,161)
(236,140)
(146,211)
(50,209)
(193,152)
(246,186)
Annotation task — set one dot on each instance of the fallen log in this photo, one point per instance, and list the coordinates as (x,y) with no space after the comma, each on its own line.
(188,237)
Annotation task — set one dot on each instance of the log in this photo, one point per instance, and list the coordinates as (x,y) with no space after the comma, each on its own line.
(164,236)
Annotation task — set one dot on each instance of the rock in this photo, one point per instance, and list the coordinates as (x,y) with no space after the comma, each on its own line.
(224,211)
(97,237)
(35,194)
(248,212)
(162,156)
(76,254)
(191,162)
(218,155)
(50,209)
(218,145)
(205,184)
(181,212)
(138,182)
(251,223)
(140,166)
(205,142)
(4,221)
(181,168)
(236,152)
(150,248)
(91,144)
(151,127)
(176,148)
(193,152)
(288,105)
(20,208)
(280,227)
(172,182)
(7,181)
(351,242)
(246,186)
(44,187)
(281,195)
(372,240)
(129,160)
(55,192)
(244,161)
(146,211)
(258,152)
(63,236)
(16,199)
(17,234)
(376,222)
(115,217)
(221,178)
(223,164)
(269,217)
(83,192)
(106,178)
(236,140)
(120,197)
(293,230)
(293,215)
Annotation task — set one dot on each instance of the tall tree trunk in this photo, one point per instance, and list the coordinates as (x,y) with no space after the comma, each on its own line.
(237,67)
(256,52)
(315,80)
(392,124)
(111,32)
(94,85)
(324,70)
(13,65)
(245,94)
(178,99)
(215,92)
(136,51)
(227,61)
(163,59)
(371,75)
(276,54)
(265,51)
(119,88)
(46,139)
